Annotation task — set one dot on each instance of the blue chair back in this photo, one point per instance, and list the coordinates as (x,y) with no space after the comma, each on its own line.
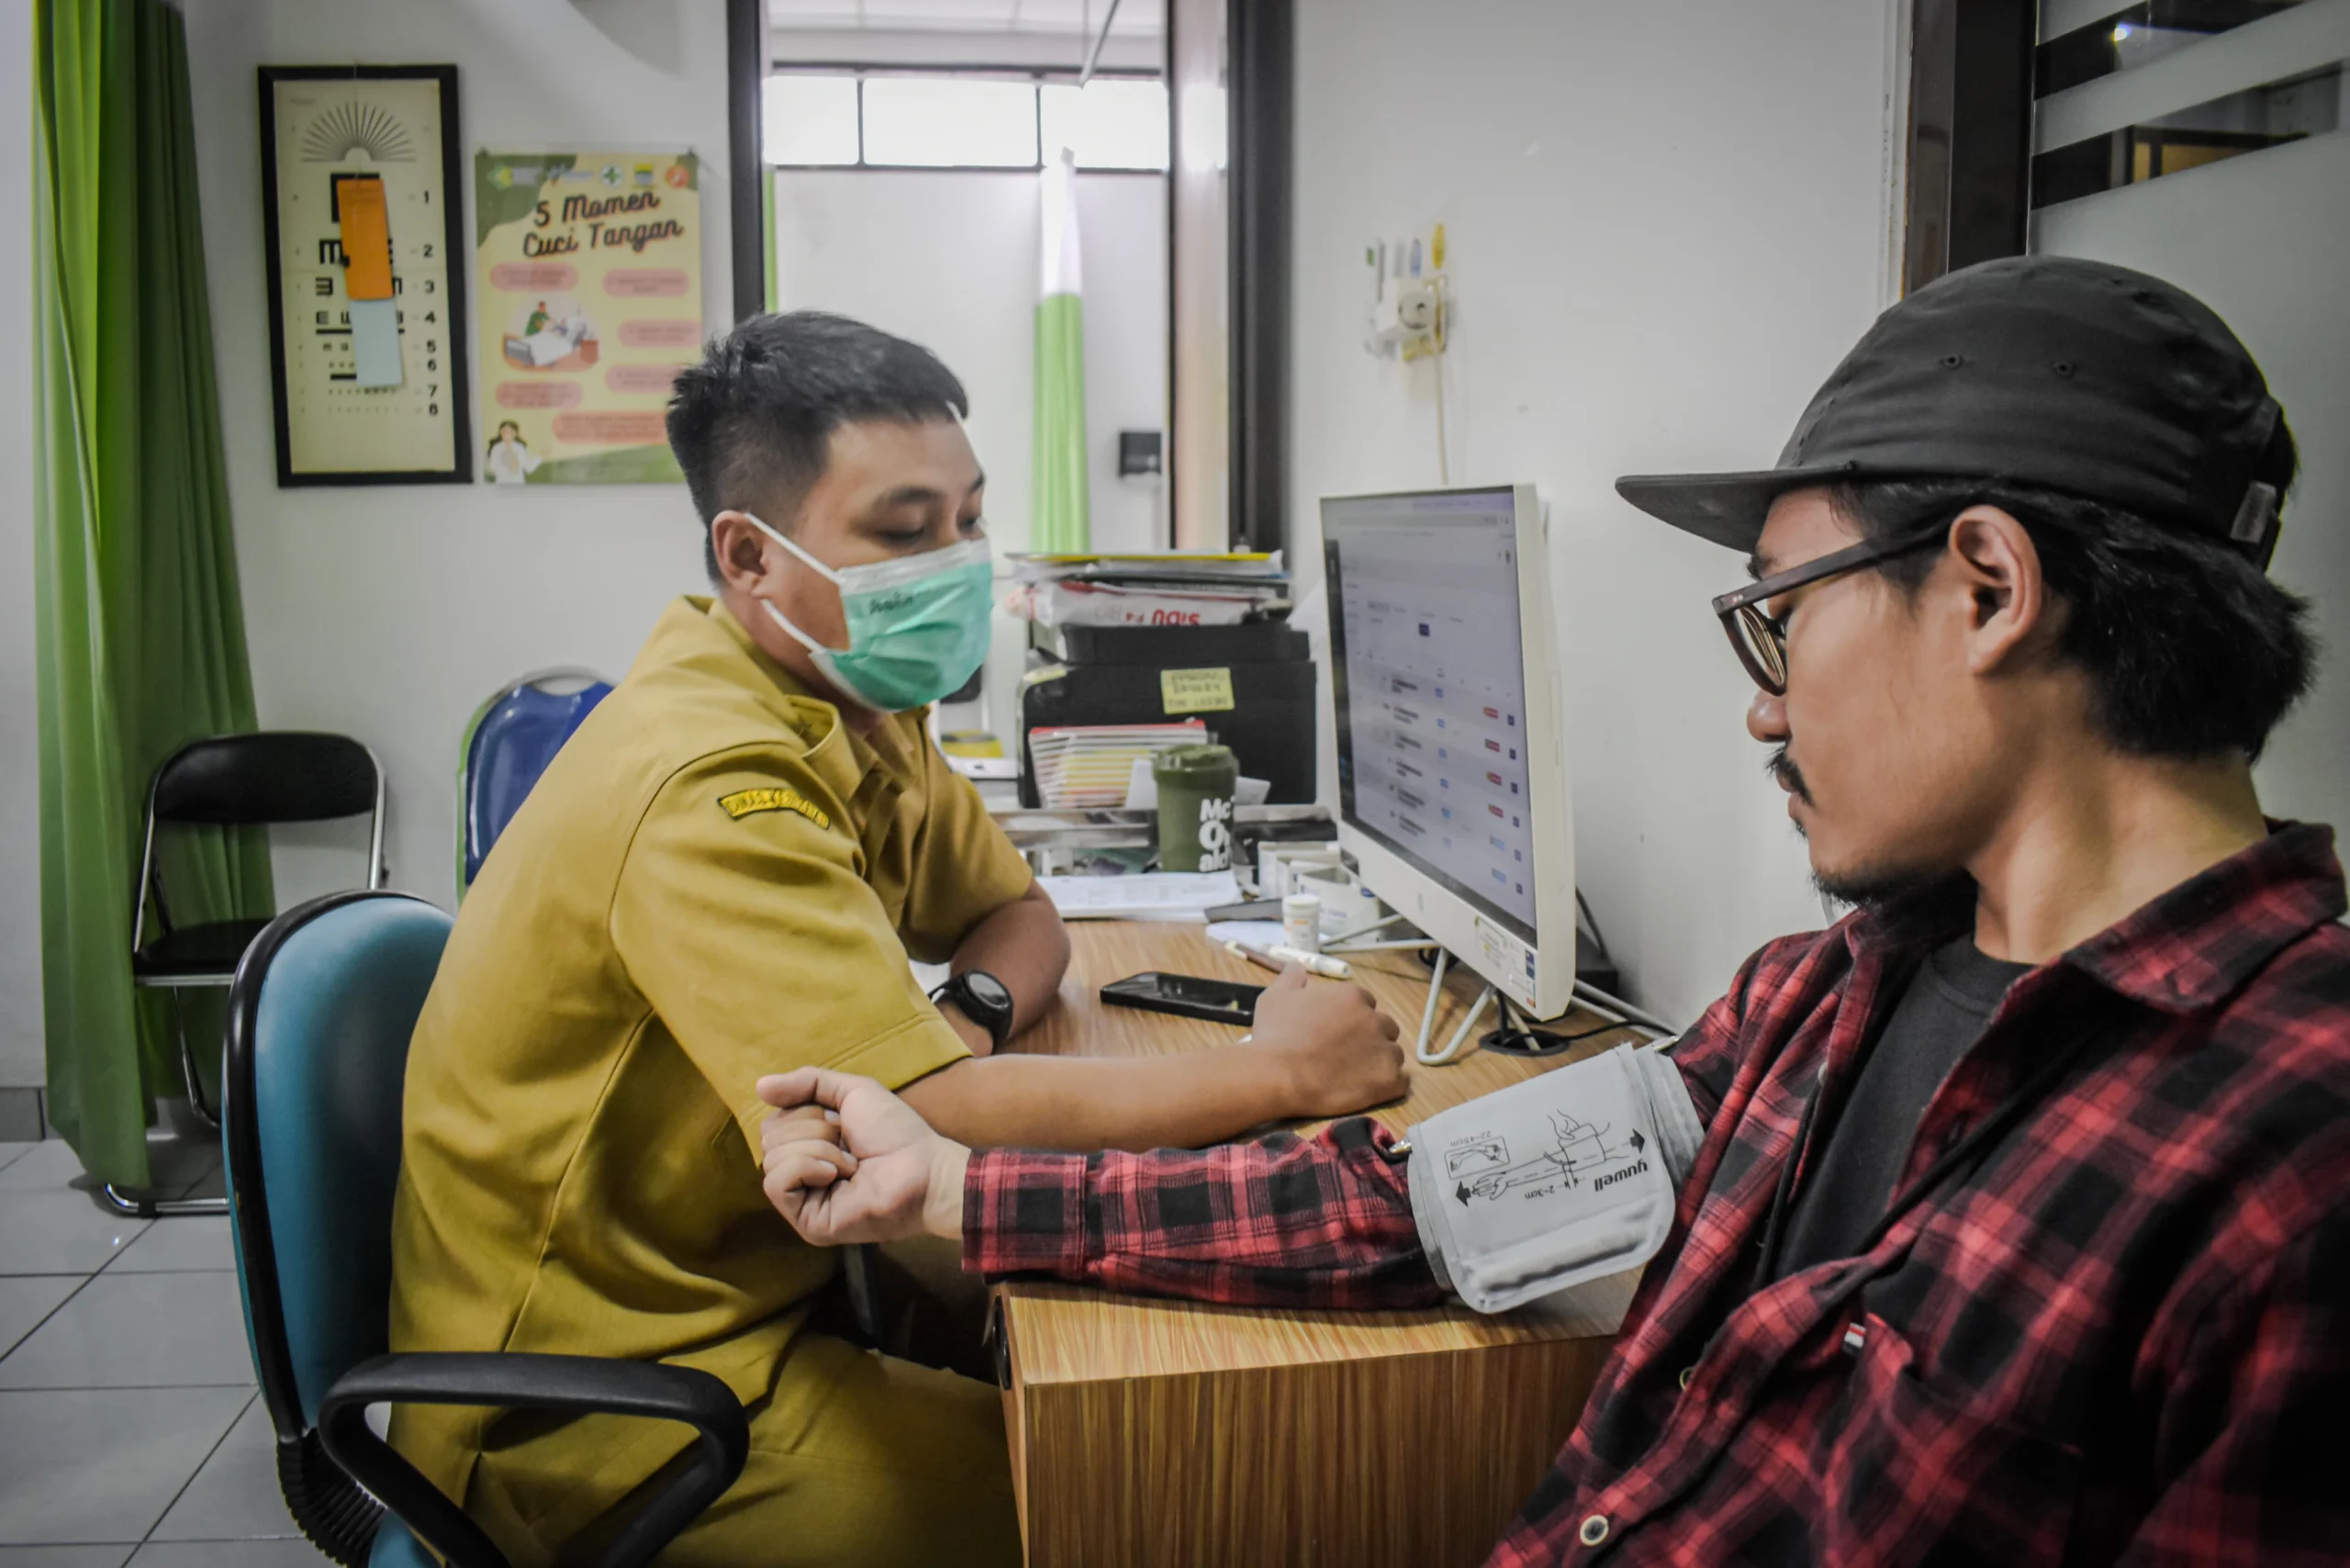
(318,1023)
(320,1018)
(508,744)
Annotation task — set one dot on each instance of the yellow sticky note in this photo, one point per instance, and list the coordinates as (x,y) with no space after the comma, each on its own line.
(1196,691)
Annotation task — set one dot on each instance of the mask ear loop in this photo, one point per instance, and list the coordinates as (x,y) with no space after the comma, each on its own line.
(964,425)
(778,616)
(811,562)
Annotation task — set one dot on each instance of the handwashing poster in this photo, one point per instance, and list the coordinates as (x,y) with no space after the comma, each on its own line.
(590,303)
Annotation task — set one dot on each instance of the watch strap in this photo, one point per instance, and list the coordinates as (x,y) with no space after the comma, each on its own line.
(996,1021)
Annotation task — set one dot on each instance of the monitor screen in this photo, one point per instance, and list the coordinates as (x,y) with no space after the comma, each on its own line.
(1427,663)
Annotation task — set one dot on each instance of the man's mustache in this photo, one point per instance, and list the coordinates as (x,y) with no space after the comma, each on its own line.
(1782,767)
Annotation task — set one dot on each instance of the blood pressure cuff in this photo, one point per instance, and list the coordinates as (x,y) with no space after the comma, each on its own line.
(1558,1180)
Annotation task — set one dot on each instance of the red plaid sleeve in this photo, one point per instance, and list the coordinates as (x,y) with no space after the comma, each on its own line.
(1320,1222)
(2252,1428)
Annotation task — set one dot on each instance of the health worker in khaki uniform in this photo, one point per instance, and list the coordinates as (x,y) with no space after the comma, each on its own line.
(723,875)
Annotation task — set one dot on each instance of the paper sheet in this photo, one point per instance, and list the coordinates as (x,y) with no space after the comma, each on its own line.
(376,342)
(1156,895)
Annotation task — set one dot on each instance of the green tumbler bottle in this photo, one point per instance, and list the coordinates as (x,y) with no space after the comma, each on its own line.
(1195,785)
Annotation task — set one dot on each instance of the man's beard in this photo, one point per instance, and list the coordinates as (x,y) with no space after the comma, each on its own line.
(1883,888)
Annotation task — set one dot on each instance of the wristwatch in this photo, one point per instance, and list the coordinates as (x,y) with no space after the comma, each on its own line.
(984,999)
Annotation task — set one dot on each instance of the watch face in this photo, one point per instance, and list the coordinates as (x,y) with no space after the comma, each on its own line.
(988,990)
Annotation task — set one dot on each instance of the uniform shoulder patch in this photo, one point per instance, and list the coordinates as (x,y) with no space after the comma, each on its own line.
(746,802)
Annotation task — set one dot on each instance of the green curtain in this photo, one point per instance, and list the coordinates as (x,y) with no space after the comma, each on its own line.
(138,629)
(1062,503)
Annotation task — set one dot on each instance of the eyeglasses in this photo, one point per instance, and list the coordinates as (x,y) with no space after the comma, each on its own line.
(1760,639)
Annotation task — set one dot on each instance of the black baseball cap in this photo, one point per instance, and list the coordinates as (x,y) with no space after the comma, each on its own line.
(2073,375)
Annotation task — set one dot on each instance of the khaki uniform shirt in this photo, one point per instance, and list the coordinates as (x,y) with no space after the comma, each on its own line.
(715,879)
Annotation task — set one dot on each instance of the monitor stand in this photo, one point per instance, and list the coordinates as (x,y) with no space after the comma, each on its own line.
(1420,1052)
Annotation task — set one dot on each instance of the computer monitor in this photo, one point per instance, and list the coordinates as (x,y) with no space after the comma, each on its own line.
(1452,772)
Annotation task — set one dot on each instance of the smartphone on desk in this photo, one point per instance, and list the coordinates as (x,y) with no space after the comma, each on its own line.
(1188,996)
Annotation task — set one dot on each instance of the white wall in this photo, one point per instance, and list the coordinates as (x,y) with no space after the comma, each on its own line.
(950,259)
(21,1018)
(389,613)
(2288,299)
(1666,226)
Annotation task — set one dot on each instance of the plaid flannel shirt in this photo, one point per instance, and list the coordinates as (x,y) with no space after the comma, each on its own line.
(2123,1336)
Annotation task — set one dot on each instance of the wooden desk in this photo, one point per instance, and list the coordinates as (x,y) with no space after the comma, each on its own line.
(1148,1433)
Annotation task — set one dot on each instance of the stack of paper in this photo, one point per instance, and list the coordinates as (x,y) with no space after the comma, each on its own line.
(1168,590)
(1156,895)
(1165,567)
(1088,767)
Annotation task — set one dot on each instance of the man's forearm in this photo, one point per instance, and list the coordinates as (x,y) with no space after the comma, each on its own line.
(1320,1223)
(1086,1104)
(942,1210)
(1025,946)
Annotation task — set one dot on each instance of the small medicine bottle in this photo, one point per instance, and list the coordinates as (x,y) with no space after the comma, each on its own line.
(1301,923)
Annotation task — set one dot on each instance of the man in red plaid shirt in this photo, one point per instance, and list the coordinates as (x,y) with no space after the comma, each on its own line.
(2019,1233)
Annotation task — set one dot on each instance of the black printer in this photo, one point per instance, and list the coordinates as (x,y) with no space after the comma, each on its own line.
(1251,684)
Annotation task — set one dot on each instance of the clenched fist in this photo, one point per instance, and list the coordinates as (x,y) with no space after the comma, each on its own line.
(847,1160)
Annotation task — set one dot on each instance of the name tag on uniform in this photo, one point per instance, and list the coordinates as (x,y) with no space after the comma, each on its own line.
(746,803)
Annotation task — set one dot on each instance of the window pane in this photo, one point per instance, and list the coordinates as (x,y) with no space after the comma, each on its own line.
(1110,123)
(2210,132)
(2108,39)
(940,122)
(809,119)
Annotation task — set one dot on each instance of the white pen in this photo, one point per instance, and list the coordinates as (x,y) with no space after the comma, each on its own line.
(1256,956)
(1315,963)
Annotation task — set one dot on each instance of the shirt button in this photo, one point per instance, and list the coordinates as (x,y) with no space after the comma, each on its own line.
(1688,1375)
(1594,1531)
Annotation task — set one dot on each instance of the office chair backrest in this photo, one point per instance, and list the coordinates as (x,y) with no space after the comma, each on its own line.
(319,1025)
(512,738)
(274,775)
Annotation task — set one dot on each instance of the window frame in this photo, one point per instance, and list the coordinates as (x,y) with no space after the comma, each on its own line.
(1977,72)
(1967,146)
(1035,78)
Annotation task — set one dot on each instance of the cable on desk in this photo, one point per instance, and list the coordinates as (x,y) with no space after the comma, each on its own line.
(1591,921)
(1517,1037)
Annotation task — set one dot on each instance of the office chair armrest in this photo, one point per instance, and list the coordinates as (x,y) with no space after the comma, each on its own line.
(586,1385)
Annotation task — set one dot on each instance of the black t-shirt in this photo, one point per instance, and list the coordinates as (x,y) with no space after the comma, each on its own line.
(1850,1184)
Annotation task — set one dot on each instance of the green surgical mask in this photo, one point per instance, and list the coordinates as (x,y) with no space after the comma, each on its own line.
(917,625)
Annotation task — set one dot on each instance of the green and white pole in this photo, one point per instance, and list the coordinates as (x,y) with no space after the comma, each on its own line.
(1063,519)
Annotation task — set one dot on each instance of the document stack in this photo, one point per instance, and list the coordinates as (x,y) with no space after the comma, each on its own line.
(1146,590)
(1088,768)
(1122,643)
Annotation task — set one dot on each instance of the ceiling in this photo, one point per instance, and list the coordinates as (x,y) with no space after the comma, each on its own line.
(1137,18)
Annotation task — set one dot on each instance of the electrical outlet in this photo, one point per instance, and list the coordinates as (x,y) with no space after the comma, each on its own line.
(1410,311)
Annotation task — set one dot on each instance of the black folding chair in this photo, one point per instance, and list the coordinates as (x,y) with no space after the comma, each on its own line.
(274,775)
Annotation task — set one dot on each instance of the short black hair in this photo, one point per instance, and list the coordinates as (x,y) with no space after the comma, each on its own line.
(751,421)
(2190,650)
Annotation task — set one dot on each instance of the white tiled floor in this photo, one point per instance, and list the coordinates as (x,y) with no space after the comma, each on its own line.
(130,1433)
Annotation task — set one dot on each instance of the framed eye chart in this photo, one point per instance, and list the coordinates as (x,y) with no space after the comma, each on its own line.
(361,206)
